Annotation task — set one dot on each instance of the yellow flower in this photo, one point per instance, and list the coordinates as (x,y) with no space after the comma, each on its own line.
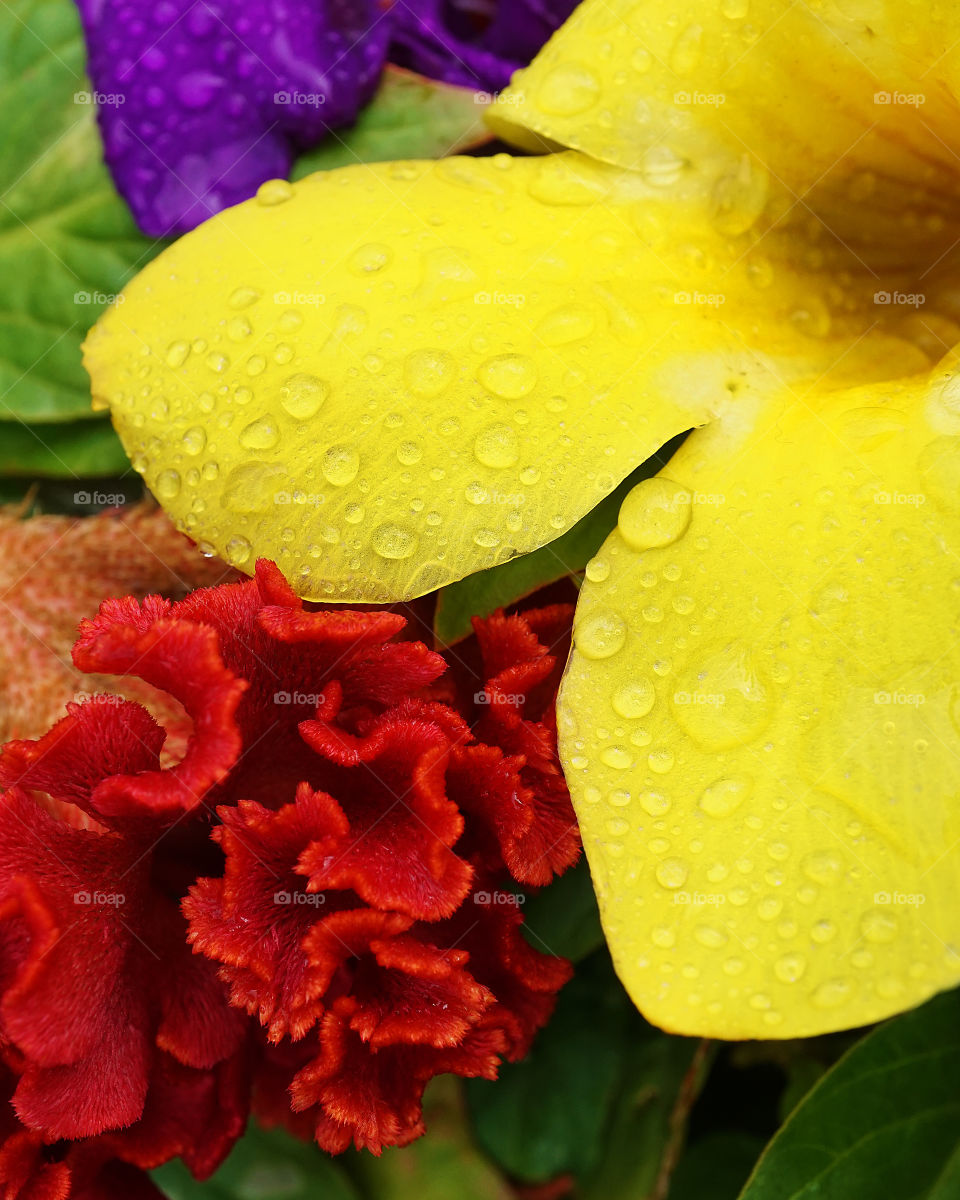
(389,377)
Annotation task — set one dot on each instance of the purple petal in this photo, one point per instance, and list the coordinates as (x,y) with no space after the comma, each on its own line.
(200,101)
(475,43)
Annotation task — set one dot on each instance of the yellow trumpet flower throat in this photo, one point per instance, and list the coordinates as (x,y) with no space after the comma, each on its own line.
(387,378)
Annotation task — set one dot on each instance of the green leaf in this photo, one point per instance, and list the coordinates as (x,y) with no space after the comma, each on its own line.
(662,1076)
(442,1164)
(68,450)
(482,593)
(716,1166)
(67,240)
(885,1121)
(547,1114)
(563,918)
(264,1165)
(409,117)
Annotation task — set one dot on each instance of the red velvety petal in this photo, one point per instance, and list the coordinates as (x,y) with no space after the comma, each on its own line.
(374,1098)
(103,737)
(253,921)
(402,823)
(182,658)
(405,989)
(197,1115)
(197,1025)
(26,1175)
(61,953)
(524,981)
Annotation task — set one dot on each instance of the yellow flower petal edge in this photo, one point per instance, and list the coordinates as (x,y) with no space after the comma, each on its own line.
(844,105)
(759,721)
(386,378)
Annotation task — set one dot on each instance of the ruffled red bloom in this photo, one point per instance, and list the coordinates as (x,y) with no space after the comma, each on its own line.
(337,844)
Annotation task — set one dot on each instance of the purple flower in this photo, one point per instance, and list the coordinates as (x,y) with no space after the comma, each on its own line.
(200,101)
(476,43)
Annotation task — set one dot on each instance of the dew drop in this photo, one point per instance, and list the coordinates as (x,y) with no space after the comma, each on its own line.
(243,297)
(273,192)
(340,465)
(167,485)
(672,873)
(634,700)
(195,439)
(656,513)
(262,434)
(237,551)
(600,635)
(723,797)
(497,446)
(568,89)
(393,541)
(302,395)
(510,376)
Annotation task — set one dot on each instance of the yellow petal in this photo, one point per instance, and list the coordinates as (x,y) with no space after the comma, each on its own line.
(848,105)
(386,378)
(760,722)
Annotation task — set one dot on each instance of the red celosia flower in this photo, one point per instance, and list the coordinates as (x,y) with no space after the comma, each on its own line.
(335,844)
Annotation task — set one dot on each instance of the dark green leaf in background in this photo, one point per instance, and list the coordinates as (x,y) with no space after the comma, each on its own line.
(884,1122)
(264,1165)
(597,1097)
